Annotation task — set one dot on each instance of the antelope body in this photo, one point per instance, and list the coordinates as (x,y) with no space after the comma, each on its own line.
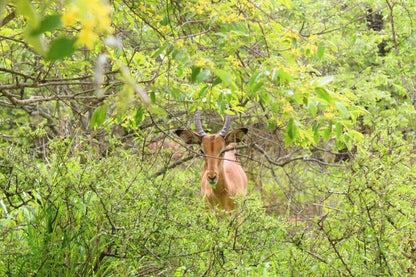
(222,177)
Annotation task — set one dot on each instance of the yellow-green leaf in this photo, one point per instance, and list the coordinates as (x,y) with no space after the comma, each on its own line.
(98,117)
(25,9)
(226,78)
(323,94)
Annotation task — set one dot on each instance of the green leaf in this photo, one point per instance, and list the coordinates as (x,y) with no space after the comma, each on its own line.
(177,55)
(292,129)
(24,8)
(271,125)
(37,42)
(226,78)
(315,130)
(203,75)
(153,97)
(342,109)
(325,80)
(60,48)
(323,94)
(223,106)
(256,86)
(264,96)
(139,116)
(283,77)
(253,79)
(287,3)
(338,130)
(48,23)
(216,82)
(356,135)
(157,110)
(2,8)
(321,50)
(195,72)
(275,107)
(98,117)
(165,21)
(313,109)
(203,91)
(160,50)
(327,133)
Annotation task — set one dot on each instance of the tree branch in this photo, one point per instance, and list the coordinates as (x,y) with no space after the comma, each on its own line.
(175,164)
(8,18)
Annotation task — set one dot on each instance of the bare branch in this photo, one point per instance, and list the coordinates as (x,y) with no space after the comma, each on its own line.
(280,162)
(8,18)
(35,99)
(175,164)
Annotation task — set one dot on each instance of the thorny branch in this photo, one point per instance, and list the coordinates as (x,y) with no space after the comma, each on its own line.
(410,91)
(333,244)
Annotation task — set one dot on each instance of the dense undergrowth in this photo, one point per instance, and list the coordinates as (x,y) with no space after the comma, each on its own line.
(325,88)
(72,213)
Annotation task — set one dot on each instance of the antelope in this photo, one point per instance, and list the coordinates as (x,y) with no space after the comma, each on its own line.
(222,177)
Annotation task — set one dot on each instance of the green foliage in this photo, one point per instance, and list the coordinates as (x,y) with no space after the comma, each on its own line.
(49,23)
(60,48)
(91,90)
(77,214)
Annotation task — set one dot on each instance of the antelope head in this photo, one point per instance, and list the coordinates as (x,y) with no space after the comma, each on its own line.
(212,146)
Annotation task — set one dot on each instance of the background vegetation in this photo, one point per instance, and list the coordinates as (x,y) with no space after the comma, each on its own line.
(91,182)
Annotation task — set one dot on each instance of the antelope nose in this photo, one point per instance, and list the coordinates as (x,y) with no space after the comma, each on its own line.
(212,177)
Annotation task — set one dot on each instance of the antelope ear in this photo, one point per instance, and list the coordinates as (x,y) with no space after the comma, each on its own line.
(188,136)
(235,135)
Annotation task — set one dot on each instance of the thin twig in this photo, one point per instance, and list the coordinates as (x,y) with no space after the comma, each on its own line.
(175,164)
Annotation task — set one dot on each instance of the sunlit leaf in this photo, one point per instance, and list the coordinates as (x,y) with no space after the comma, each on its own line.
(356,135)
(253,79)
(25,8)
(226,77)
(2,9)
(342,109)
(157,110)
(323,94)
(338,130)
(325,80)
(313,109)
(287,3)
